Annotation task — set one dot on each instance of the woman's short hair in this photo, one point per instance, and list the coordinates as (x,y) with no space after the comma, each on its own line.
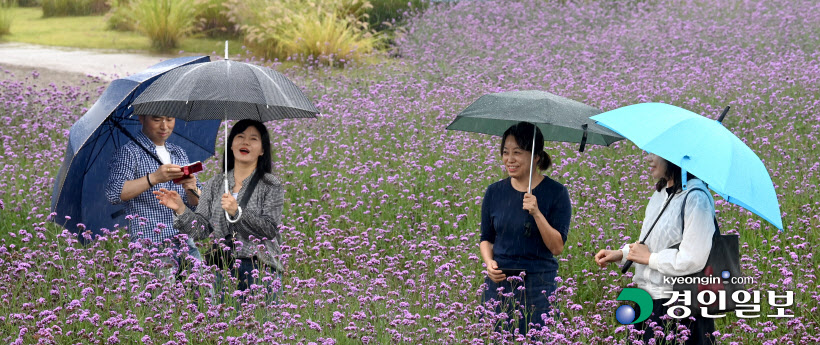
(263,164)
(522,132)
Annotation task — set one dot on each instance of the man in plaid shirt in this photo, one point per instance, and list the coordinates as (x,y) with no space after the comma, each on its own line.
(135,174)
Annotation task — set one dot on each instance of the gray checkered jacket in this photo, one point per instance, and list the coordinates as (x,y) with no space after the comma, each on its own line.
(260,218)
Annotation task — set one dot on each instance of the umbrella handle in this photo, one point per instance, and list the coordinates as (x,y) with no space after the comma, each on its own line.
(584,138)
(626,266)
(532,157)
(628,263)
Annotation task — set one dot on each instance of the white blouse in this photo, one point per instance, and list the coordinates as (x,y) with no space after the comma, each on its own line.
(695,241)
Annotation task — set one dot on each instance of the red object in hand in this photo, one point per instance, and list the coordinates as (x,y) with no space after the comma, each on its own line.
(189,169)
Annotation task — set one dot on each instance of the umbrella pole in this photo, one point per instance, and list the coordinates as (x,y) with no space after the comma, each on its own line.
(225,161)
(227,190)
(532,157)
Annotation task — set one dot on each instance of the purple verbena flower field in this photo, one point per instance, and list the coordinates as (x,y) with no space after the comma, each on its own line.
(381,221)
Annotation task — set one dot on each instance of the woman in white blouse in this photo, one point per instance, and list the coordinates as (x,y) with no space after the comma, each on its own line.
(658,258)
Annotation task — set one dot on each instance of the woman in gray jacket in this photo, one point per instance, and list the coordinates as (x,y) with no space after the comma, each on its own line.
(254,226)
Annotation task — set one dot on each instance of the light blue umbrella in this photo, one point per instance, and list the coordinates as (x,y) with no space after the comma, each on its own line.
(703,147)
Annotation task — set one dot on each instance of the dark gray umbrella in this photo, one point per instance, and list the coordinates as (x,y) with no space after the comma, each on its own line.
(225,90)
(559,118)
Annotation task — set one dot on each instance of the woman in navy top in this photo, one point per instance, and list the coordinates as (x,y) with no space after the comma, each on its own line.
(521,230)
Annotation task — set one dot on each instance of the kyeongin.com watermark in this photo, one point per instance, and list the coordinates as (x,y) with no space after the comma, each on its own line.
(725,278)
(745,304)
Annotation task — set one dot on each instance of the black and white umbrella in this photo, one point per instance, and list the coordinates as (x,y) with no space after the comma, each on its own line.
(227,90)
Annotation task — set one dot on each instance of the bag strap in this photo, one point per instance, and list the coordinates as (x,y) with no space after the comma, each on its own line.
(249,190)
(665,204)
(683,211)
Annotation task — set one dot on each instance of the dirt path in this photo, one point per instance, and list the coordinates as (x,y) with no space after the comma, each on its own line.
(70,65)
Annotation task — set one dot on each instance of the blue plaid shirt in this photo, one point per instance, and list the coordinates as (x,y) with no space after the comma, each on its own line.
(151,220)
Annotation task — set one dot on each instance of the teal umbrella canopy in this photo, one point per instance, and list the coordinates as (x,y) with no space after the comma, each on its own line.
(703,147)
(559,118)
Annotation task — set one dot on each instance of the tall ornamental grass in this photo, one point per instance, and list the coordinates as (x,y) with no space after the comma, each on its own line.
(60,8)
(165,22)
(330,31)
(211,17)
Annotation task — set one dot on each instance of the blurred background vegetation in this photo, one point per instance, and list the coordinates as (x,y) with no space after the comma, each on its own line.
(331,32)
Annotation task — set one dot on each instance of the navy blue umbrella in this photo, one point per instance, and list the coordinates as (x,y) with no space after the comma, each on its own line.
(79,190)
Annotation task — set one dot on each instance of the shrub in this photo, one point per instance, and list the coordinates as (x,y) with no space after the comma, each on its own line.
(60,8)
(165,22)
(212,19)
(28,3)
(119,17)
(332,31)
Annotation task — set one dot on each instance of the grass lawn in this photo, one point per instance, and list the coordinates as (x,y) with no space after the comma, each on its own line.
(29,26)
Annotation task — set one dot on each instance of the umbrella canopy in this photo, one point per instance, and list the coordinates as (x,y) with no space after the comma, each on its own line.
(703,147)
(225,90)
(559,118)
(98,133)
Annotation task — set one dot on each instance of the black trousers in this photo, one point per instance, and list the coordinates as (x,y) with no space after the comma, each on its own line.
(700,329)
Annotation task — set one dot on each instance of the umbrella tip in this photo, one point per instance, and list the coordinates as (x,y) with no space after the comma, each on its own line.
(723,114)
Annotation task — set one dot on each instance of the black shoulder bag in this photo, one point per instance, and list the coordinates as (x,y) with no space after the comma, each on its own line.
(722,268)
(224,259)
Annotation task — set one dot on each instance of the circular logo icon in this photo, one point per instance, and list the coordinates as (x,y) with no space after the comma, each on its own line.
(625,314)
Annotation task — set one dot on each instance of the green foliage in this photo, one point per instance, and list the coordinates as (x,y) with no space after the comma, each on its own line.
(6,16)
(385,13)
(211,17)
(165,22)
(28,3)
(331,31)
(59,8)
(90,32)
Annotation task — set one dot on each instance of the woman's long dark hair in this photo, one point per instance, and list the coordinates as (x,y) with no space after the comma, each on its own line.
(673,173)
(263,164)
(522,132)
